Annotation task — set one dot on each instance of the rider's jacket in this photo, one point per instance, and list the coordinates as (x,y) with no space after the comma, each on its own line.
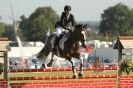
(67,22)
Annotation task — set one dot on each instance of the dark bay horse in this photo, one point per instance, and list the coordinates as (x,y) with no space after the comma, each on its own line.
(68,47)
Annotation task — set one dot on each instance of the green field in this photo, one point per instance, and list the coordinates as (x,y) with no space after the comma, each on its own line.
(60,73)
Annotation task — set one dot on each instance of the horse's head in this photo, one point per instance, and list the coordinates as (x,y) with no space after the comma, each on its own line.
(81,32)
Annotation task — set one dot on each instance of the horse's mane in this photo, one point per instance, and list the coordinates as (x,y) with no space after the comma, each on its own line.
(77,26)
(73,35)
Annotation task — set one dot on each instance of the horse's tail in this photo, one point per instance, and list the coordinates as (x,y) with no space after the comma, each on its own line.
(47,47)
(40,54)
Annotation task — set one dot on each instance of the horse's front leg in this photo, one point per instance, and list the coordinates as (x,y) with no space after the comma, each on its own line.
(81,67)
(73,69)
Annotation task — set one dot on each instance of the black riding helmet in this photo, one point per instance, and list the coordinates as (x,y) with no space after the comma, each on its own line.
(67,7)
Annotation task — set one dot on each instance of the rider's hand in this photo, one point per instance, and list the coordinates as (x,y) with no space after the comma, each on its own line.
(69,29)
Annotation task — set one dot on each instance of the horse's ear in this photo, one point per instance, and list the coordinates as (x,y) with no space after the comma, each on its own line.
(85,26)
(80,25)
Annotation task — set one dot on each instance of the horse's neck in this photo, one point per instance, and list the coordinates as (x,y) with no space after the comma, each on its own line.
(72,38)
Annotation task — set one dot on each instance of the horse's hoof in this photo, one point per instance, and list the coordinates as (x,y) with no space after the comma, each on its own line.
(80,74)
(75,76)
(49,65)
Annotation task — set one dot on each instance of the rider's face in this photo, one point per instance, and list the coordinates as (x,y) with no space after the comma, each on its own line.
(67,12)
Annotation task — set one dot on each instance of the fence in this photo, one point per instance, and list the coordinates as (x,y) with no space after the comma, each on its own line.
(63,81)
(3,83)
(16,80)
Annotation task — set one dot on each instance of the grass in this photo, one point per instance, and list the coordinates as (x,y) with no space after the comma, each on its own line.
(64,73)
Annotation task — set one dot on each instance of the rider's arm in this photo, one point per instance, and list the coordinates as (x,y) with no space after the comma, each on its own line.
(73,20)
(63,22)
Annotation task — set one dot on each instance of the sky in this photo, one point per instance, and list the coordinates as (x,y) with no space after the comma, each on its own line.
(83,10)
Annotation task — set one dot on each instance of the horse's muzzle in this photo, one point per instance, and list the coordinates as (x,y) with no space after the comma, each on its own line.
(84,44)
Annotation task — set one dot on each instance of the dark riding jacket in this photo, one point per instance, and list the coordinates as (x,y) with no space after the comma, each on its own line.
(67,22)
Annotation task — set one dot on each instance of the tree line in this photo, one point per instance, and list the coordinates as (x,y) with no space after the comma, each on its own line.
(34,28)
(115,21)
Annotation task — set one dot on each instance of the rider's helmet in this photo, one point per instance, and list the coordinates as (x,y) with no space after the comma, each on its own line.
(67,7)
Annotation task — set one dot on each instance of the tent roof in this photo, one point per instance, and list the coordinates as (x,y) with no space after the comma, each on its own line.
(124,42)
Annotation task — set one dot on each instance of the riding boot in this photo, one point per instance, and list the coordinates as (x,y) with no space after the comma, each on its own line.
(61,35)
(55,44)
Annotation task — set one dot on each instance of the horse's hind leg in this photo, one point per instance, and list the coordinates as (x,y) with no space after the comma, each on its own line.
(44,64)
(51,61)
(73,68)
(81,67)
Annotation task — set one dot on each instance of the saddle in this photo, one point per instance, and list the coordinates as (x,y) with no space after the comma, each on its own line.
(61,39)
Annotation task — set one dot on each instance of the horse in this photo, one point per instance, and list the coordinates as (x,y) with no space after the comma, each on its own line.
(68,47)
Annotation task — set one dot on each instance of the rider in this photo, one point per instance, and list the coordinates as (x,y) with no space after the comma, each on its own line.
(67,21)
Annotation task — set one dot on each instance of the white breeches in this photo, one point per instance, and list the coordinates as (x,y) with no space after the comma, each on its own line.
(59,30)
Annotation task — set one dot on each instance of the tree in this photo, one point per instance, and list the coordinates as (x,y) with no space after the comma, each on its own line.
(24,27)
(36,26)
(115,20)
(8,32)
(1,28)
(130,31)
